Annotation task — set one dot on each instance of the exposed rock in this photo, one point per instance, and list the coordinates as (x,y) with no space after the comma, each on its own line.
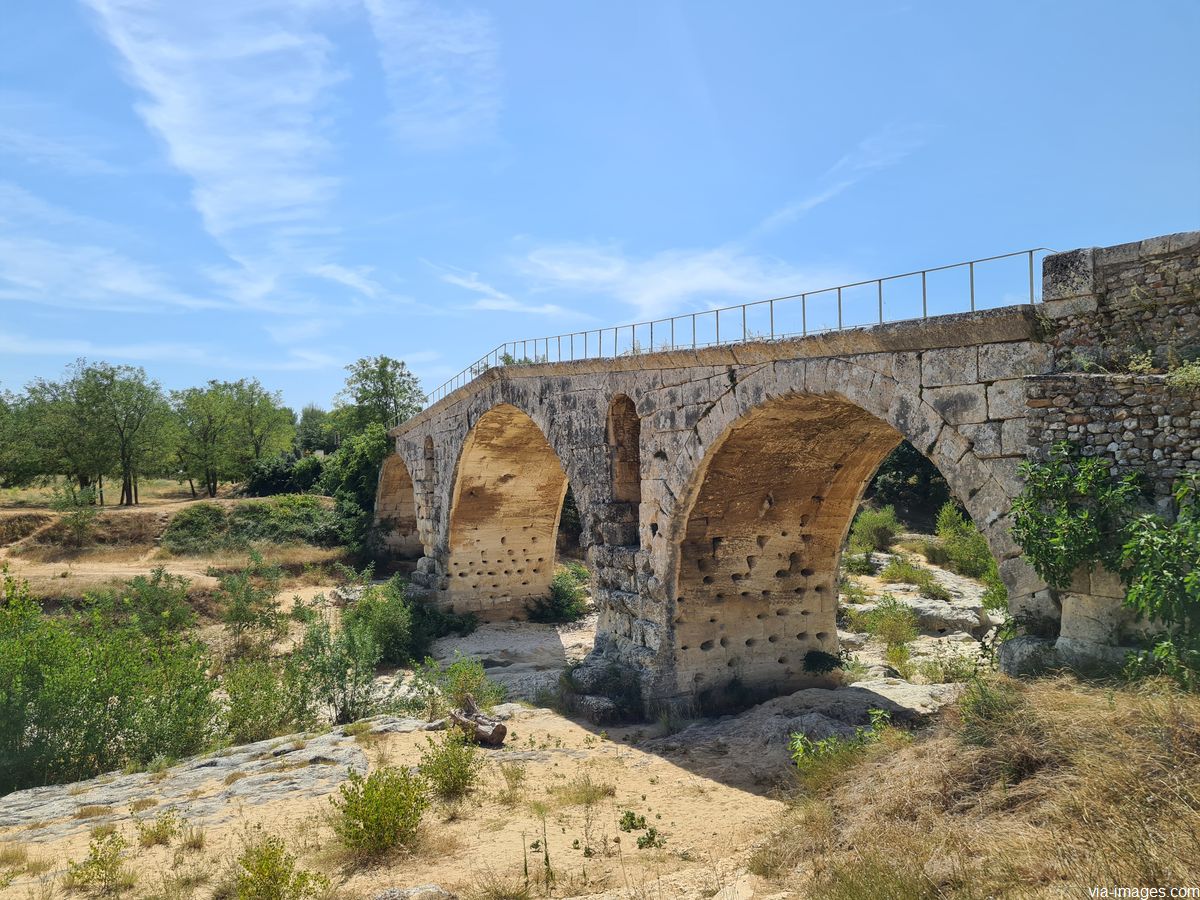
(1027,655)
(421,892)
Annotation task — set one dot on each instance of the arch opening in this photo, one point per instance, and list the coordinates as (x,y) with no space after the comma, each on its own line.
(396,514)
(624,432)
(504,516)
(758,558)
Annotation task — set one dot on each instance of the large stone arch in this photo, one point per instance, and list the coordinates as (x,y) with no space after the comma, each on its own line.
(504,510)
(396,512)
(781,463)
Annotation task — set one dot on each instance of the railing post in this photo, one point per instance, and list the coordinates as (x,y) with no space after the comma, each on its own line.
(1031,277)
(924,297)
(744,322)
(693,331)
(772,307)
(804,315)
(717,316)
(651,335)
(880,285)
(672,332)
(971,269)
(839,309)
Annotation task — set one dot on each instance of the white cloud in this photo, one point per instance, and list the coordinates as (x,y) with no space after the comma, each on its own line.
(494,299)
(875,152)
(671,281)
(442,71)
(51,153)
(237,91)
(358,279)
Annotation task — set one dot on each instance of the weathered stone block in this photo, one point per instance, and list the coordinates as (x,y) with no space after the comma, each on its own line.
(953,365)
(1006,399)
(998,361)
(961,405)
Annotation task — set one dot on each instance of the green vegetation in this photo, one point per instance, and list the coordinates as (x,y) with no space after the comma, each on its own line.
(889,620)
(1185,376)
(204,528)
(405,629)
(859,563)
(157,603)
(566,602)
(266,871)
(451,766)
(380,813)
(819,762)
(900,571)
(874,529)
(908,481)
(438,689)
(103,869)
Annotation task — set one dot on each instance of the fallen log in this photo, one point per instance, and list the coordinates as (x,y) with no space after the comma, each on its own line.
(477,726)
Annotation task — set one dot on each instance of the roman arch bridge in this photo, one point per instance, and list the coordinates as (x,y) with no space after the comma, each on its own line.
(716,484)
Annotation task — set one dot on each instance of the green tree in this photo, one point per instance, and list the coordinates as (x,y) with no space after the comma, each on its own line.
(378,390)
(315,431)
(206,433)
(265,425)
(134,412)
(65,430)
(19,464)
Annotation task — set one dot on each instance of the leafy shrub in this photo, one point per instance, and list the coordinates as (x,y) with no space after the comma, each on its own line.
(1185,376)
(336,673)
(874,529)
(162,829)
(266,871)
(901,571)
(379,813)
(79,696)
(908,481)
(102,870)
(447,688)
(155,604)
(1071,513)
(385,612)
(247,599)
(995,593)
(651,839)
(77,510)
(889,620)
(283,474)
(850,591)
(196,529)
(1162,562)
(859,563)
(451,766)
(264,701)
(819,761)
(566,601)
(967,551)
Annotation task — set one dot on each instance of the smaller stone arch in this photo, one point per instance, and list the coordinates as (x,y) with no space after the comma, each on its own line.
(623,434)
(396,511)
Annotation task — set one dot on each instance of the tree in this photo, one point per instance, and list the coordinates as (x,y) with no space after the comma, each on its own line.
(378,389)
(18,456)
(66,429)
(134,412)
(315,431)
(205,419)
(266,426)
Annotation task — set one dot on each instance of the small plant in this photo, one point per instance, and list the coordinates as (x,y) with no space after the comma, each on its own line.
(1141,363)
(77,509)
(583,790)
(441,688)
(514,783)
(651,839)
(874,529)
(859,563)
(102,869)
(160,830)
(890,621)
(850,591)
(949,667)
(901,571)
(566,602)
(266,871)
(1185,376)
(631,821)
(818,761)
(379,813)
(451,766)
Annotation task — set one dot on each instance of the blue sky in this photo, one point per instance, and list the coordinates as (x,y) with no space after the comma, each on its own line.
(274,188)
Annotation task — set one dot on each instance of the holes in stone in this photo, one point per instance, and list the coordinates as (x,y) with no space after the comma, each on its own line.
(716,543)
(807,573)
(761,616)
(707,579)
(736,576)
(750,561)
(781,573)
(503,540)
(719,598)
(712,621)
(820,589)
(744,594)
(782,660)
(750,642)
(802,636)
(707,645)
(817,498)
(761,540)
(684,647)
(724,642)
(821,635)
(653,529)
(772,639)
(731,663)
(781,612)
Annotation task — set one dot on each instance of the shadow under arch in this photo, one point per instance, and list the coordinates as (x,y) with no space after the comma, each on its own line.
(505,505)
(396,514)
(758,540)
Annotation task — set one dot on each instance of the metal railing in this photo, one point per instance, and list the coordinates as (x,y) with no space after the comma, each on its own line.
(777,318)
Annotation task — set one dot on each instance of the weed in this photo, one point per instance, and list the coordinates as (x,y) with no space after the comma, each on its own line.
(451,766)
(102,870)
(266,871)
(874,529)
(92,811)
(161,830)
(514,775)
(583,790)
(889,620)
(631,821)
(192,838)
(380,813)
(819,762)
(949,666)
(651,839)
(566,602)
(142,804)
(859,563)
(901,571)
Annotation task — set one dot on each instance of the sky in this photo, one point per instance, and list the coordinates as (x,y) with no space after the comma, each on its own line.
(275,188)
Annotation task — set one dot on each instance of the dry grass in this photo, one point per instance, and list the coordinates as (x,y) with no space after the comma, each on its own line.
(141,804)
(91,811)
(583,790)
(1029,789)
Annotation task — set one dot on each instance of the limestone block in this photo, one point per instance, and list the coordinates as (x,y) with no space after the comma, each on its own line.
(1027,655)
(984,438)
(950,366)
(917,421)
(999,361)
(1066,275)
(1014,437)
(1094,619)
(906,369)
(960,405)
(1006,399)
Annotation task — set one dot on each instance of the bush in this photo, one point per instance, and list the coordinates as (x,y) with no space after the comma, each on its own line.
(80,696)
(284,474)
(266,871)
(336,673)
(890,621)
(440,689)
(874,529)
(967,551)
(385,612)
(155,604)
(195,529)
(379,813)
(859,563)
(566,601)
(818,762)
(102,869)
(77,509)
(247,599)
(451,766)
(901,571)
(263,702)
(850,591)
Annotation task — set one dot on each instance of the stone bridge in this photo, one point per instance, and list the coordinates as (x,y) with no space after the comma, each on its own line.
(716,486)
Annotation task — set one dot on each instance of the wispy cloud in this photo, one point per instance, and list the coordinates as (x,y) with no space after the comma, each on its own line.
(238,92)
(878,151)
(34,132)
(358,279)
(671,281)
(494,299)
(442,69)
